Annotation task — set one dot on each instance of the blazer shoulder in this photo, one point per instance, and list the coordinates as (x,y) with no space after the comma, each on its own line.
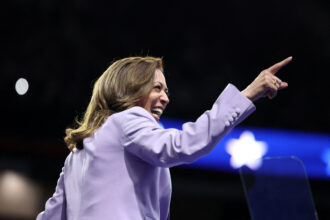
(131,113)
(131,118)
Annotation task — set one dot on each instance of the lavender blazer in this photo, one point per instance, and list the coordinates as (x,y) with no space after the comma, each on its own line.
(123,171)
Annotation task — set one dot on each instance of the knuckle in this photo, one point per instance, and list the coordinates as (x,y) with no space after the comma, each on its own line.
(267,76)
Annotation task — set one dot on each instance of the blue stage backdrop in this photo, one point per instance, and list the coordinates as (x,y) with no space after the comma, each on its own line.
(245,146)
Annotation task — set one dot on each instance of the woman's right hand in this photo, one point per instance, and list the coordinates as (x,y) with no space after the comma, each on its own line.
(266,83)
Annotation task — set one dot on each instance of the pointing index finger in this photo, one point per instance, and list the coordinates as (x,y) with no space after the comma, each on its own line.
(276,67)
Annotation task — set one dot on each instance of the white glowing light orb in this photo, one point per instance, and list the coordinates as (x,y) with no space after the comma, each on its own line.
(21,86)
(246,151)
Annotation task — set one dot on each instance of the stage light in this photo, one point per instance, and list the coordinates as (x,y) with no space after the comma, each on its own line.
(21,86)
(246,151)
(19,196)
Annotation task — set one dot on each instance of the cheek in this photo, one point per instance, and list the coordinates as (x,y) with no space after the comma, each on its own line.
(145,103)
(153,99)
(149,101)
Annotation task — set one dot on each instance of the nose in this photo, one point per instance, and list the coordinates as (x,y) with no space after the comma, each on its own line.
(164,98)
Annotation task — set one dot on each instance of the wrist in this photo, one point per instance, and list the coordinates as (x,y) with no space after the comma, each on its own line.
(247,94)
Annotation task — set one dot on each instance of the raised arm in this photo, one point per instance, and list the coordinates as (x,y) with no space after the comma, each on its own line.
(143,137)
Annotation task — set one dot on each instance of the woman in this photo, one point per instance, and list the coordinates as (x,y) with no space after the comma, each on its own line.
(118,167)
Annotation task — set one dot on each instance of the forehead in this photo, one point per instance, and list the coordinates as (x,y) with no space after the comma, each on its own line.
(159,77)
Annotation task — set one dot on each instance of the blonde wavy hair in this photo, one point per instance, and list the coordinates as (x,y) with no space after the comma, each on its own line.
(123,85)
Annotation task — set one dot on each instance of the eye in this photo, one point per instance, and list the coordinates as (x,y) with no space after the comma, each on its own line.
(158,87)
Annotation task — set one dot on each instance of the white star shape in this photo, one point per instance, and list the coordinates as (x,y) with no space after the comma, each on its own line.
(246,151)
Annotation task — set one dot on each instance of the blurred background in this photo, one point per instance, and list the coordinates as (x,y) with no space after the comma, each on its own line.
(61,47)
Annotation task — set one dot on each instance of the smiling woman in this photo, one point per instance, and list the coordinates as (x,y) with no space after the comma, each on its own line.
(120,159)
(157,100)
(123,85)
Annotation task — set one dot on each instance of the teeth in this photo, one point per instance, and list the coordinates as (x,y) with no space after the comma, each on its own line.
(157,111)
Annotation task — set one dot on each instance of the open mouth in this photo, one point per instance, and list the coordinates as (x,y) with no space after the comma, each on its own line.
(156,113)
